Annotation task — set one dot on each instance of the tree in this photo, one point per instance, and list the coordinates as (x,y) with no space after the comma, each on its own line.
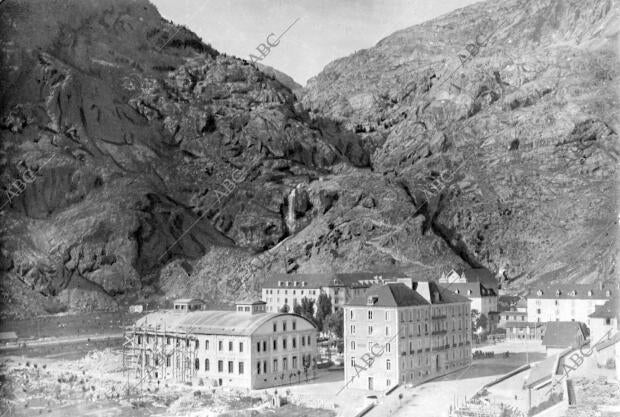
(305,309)
(483,322)
(335,323)
(324,309)
(285,308)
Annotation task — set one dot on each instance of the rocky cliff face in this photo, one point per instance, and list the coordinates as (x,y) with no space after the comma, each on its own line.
(517,98)
(139,163)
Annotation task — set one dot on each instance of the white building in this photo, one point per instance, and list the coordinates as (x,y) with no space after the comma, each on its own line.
(603,328)
(568,302)
(246,348)
(397,334)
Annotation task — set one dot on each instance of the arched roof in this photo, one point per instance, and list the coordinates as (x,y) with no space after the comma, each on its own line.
(209,322)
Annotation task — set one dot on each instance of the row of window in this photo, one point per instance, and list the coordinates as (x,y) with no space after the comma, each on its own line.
(309,292)
(261,366)
(263,346)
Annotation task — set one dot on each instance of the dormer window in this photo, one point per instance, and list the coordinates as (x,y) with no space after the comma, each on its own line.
(295,283)
(572,293)
(372,300)
(539,293)
(607,293)
(589,293)
(558,292)
(458,291)
(280,283)
(303,284)
(288,283)
(468,292)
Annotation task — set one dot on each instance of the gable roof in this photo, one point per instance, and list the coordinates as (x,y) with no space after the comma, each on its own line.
(390,295)
(564,334)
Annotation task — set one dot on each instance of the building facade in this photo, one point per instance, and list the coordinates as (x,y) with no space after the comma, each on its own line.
(566,302)
(290,289)
(246,348)
(480,286)
(603,327)
(397,334)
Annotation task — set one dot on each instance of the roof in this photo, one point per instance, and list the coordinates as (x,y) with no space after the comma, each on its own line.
(8,335)
(477,289)
(571,291)
(564,334)
(188,300)
(330,279)
(390,295)
(609,310)
(481,275)
(209,322)
(513,313)
(250,302)
(400,295)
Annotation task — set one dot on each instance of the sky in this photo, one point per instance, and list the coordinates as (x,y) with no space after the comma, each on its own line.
(322,31)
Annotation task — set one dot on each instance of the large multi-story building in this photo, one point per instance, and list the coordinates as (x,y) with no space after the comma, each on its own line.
(247,348)
(398,333)
(290,289)
(603,328)
(566,302)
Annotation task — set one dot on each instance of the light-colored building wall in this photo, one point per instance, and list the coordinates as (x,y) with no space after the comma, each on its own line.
(561,309)
(282,350)
(276,297)
(405,344)
(599,328)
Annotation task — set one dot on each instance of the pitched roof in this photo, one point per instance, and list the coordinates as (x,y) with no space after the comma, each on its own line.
(609,310)
(329,279)
(446,296)
(390,295)
(188,300)
(564,334)
(208,322)
(477,289)
(571,291)
(481,275)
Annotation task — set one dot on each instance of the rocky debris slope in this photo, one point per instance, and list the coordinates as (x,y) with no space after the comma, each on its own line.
(514,100)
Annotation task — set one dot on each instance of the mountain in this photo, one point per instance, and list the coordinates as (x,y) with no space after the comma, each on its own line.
(140,164)
(518,96)
(283,78)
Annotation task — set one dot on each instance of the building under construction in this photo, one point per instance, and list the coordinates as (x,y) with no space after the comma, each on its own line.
(246,348)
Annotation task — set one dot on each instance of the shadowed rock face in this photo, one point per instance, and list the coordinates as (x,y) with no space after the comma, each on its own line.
(154,167)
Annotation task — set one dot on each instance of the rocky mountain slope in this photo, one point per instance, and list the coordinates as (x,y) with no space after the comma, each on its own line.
(521,98)
(140,164)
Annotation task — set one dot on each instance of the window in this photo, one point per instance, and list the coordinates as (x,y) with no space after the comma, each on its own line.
(284,343)
(240,346)
(388,364)
(294,362)
(284,364)
(294,342)
(167,340)
(206,344)
(258,367)
(220,366)
(168,361)
(303,340)
(230,346)
(387,330)
(275,366)
(387,347)
(607,321)
(352,329)
(206,364)
(351,315)
(309,341)
(387,315)
(283,326)
(258,346)
(369,314)
(369,330)
(240,368)
(294,325)
(275,345)
(264,346)
(230,367)
(220,345)
(275,327)
(197,343)
(352,344)
(388,382)
(197,364)
(352,360)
